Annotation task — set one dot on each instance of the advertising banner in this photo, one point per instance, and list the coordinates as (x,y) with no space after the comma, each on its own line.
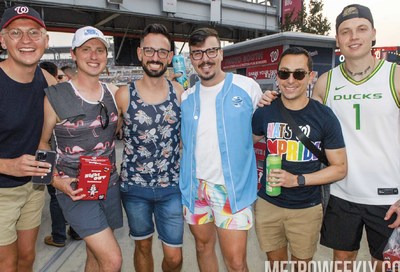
(262,72)
(253,58)
(289,6)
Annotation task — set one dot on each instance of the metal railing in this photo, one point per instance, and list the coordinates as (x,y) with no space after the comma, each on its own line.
(261,2)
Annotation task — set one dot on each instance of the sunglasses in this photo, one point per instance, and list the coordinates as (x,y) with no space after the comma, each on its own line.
(104,118)
(299,75)
(60,76)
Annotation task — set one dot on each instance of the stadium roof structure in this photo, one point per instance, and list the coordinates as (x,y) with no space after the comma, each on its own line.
(235,20)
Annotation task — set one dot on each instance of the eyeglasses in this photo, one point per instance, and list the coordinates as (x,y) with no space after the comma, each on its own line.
(299,75)
(61,76)
(104,118)
(150,51)
(16,34)
(210,52)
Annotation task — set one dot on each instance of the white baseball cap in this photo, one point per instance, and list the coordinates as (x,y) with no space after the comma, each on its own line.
(86,33)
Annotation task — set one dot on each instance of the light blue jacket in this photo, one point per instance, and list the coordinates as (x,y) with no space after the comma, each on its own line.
(235,105)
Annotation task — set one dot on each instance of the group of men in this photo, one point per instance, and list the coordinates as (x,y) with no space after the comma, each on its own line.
(215,178)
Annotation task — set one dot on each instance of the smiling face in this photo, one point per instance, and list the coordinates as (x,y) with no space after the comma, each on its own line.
(291,88)
(90,57)
(354,38)
(208,69)
(25,51)
(154,66)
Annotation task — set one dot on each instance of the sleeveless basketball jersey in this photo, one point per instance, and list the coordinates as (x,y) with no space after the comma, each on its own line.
(368,111)
(21,120)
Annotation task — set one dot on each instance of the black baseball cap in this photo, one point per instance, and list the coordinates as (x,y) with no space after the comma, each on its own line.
(17,12)
(354,11)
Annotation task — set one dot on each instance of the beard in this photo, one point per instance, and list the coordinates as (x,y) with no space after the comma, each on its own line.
(206,77)
(152,73)
(203,76)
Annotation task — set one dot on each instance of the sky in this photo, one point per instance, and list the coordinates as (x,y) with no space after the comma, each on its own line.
(60,39)
(385,12)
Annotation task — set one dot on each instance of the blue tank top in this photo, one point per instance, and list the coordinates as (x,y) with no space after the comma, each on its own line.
(151,136)
(21,120)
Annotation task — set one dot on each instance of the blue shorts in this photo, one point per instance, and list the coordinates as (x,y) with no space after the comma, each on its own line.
(88,217)
(141,203)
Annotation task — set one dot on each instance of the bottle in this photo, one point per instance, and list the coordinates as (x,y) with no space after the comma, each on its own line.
(178,62)
(273,162)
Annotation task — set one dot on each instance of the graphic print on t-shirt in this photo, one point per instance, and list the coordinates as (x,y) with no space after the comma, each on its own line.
(281,140)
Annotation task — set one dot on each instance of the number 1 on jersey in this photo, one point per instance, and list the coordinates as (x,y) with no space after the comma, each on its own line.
(357,108)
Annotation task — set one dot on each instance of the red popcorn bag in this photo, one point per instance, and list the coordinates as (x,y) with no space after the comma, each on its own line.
(391,253)
(93,177)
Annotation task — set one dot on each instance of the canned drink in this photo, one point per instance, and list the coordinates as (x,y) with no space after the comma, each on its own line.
(274,161)
(178,62)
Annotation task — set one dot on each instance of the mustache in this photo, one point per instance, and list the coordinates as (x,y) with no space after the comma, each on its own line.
(206,63)
(154,62)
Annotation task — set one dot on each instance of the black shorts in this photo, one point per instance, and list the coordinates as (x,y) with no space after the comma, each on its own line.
(343,226)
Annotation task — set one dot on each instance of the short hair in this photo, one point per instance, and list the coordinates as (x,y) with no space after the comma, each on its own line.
(200,35)
(68,71)
(156,29)
(297,51)
(49,67)
(66,67)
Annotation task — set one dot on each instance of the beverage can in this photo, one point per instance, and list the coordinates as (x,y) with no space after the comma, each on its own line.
(178,62)
(274,161)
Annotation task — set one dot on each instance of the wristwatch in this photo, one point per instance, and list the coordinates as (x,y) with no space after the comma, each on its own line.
(301,180)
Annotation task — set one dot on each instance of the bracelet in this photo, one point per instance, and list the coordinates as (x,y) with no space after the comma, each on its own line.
(56,174)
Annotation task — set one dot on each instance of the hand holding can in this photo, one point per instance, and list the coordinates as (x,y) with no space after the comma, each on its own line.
(273,161)
(178,62)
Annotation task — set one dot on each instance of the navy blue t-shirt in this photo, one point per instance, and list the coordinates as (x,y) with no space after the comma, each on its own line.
(21,120)
(318,123)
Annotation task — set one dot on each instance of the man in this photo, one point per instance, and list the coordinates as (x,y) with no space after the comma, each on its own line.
(295,216)
(218,169)
(150,167)
(49,67)
(82,115)
(68,71)
(61,76)
(58,233)
(364,93)
(23,34)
